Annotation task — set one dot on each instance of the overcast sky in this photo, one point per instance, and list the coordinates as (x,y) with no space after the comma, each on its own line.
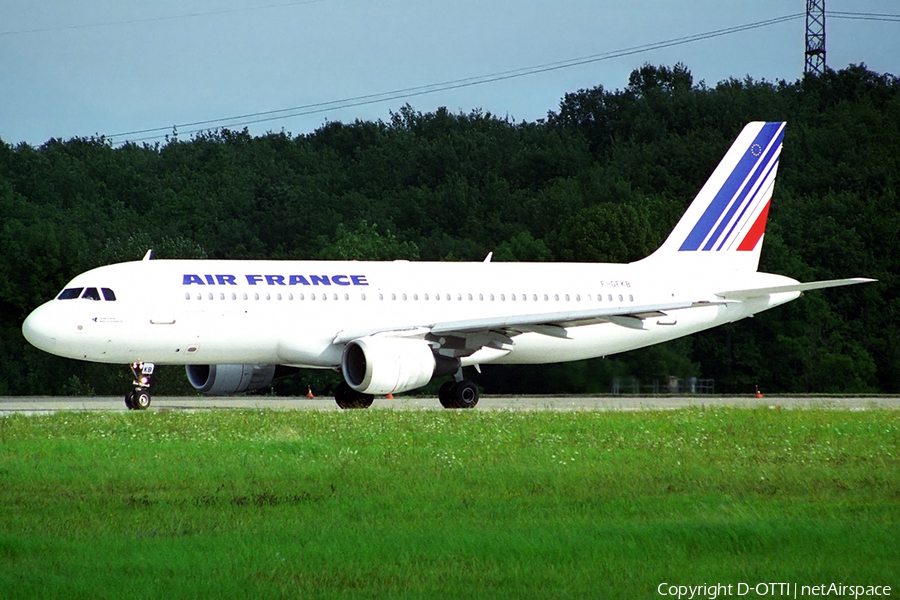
(113,66)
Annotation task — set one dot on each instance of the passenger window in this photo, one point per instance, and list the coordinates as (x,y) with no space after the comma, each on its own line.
(108,294)
(70,294)
(91,294)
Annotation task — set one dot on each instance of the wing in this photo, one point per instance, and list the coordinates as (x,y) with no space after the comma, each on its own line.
(555,323)
(465,337)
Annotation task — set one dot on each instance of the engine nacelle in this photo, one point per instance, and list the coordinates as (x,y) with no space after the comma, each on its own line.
(384,365)
(229,379)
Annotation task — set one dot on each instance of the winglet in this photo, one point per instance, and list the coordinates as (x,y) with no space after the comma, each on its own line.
(488,258)
(147,256)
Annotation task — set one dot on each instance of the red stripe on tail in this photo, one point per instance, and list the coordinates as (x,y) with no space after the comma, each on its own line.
(759,227)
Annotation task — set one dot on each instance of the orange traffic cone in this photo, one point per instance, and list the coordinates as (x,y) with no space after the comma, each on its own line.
(390,396)
(309,393)
(758,393)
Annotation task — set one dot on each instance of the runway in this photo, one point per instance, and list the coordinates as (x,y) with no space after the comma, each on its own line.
(34,405)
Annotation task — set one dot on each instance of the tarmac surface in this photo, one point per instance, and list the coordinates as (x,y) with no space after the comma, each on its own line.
(44,405)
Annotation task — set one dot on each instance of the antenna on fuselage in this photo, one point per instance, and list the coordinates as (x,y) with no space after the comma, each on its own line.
(147,256)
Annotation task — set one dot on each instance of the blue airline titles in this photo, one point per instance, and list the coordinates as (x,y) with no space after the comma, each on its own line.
(347,280)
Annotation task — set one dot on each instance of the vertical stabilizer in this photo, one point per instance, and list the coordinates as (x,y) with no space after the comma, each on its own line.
(723,227)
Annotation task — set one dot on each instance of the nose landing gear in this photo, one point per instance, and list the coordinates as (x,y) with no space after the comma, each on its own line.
(139,397)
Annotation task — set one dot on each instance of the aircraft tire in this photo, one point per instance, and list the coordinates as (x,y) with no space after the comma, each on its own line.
(342,395)
(129,400)
(364,400)
(141,400)
(465,394)
(445,394)
(346,397)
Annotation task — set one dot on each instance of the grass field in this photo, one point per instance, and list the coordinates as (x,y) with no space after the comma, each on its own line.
(438,504)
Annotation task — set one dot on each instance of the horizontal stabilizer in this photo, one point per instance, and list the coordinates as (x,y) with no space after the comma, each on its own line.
(797,287)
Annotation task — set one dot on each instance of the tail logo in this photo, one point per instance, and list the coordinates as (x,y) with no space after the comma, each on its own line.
(735,217)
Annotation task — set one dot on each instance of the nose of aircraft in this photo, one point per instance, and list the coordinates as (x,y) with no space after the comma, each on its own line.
(39,328)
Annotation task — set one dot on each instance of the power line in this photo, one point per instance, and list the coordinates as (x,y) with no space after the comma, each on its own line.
(158,19)
(308,109)
(858,16)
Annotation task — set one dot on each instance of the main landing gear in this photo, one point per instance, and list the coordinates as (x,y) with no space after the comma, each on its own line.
(347,397)
(458,393)
(453,394)
(139,397)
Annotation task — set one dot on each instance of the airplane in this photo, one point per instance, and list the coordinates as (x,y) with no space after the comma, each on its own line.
(391,327)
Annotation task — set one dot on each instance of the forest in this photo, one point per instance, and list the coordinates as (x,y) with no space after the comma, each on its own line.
(603,177)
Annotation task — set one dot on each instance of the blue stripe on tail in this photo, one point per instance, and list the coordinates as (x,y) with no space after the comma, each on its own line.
(726,194)
(764,167)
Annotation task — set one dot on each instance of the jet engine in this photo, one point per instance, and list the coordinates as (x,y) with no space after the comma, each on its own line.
(230,379)
(384,365)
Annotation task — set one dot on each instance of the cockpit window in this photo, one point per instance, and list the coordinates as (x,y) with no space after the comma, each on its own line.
(91,294)
(70,293)
(87,294)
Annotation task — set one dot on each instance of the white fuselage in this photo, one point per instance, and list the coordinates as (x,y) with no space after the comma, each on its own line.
(303,313)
